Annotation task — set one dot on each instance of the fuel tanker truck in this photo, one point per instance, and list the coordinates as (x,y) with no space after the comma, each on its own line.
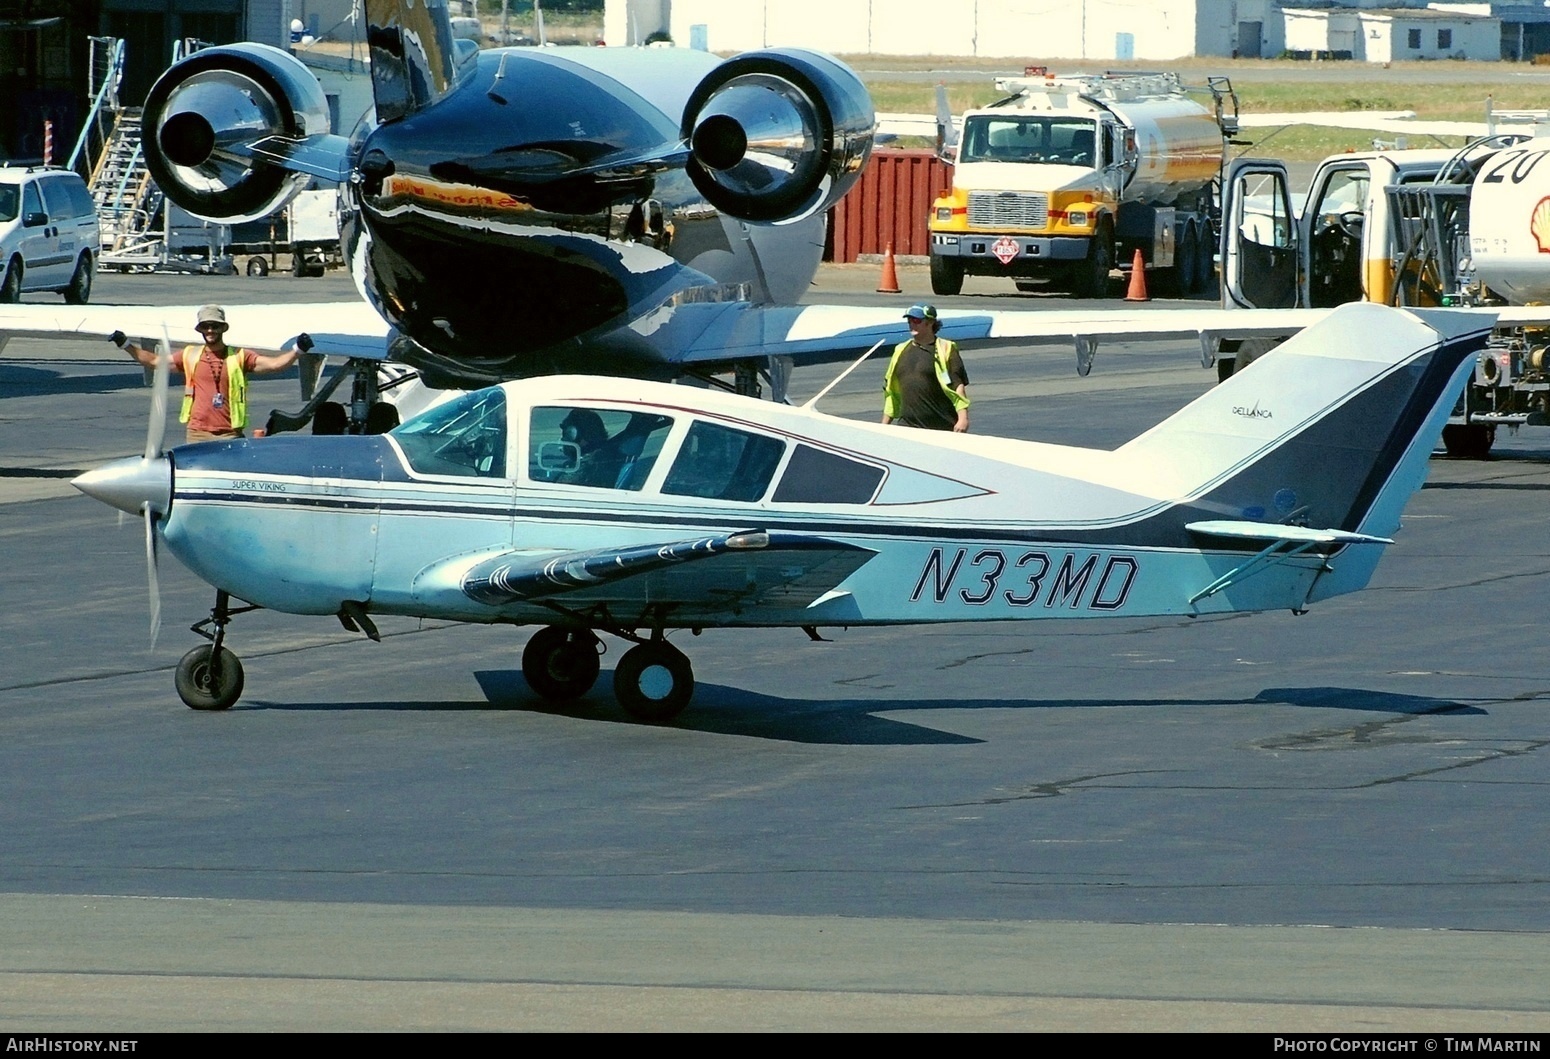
(1065,178)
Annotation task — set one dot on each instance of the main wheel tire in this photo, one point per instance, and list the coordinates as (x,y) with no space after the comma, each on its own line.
(203,686)
(79,290)
(946,275)
(653,682)
(11,286)
(1090,278)
(561,664)
(1468,441)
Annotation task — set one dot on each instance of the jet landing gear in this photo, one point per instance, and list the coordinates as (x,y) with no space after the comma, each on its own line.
(653,681)
(210,678)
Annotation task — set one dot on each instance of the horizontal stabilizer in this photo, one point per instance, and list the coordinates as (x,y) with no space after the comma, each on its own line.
(725,572)
(1267,531)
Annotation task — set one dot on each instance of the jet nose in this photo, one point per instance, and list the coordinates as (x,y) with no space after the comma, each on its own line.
(130,484)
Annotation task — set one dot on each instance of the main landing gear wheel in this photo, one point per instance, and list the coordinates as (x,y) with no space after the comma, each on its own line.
(209,678)
(561,664)
(653,681)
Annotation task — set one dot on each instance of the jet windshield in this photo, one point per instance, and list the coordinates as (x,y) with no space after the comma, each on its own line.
(465,437)
(1029,138)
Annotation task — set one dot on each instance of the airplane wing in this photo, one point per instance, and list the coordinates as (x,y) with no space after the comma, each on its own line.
(348,329)
(706,335)
(731,572)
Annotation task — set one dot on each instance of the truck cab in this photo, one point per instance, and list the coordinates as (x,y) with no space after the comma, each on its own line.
(1335,246)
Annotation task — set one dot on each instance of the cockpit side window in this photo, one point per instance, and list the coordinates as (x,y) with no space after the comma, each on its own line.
(605,448)
(720,463)
(465,437)
(817,477)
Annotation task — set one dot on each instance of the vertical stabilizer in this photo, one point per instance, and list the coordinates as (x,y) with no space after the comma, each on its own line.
(1330,430)
(413,63)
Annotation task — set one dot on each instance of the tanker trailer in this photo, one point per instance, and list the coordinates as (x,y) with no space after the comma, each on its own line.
(1065,178)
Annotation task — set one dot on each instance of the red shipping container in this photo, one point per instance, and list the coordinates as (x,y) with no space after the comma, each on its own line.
(889,204)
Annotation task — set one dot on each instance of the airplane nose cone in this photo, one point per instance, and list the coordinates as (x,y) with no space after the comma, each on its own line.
(130,484)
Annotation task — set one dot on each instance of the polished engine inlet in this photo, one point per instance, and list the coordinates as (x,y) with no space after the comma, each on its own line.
(203,116)
(778,135)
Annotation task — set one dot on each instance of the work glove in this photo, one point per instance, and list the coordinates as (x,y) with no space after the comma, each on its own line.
(304,342)
(119,339)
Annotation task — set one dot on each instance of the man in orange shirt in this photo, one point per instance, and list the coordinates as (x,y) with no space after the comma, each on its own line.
(215,404)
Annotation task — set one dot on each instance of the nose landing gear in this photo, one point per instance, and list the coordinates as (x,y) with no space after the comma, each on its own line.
(210,678)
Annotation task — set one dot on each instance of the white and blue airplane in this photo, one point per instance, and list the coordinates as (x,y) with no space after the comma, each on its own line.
(590,505)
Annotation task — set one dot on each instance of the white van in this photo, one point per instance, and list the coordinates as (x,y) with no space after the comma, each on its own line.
(49,239)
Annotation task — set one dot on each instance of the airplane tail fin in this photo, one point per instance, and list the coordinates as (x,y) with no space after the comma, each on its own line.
(413,57)
(1331,431)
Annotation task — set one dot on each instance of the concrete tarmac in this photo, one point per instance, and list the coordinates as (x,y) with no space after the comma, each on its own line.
(1253,822)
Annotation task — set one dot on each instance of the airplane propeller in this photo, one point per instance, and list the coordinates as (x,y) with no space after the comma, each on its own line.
(155,432)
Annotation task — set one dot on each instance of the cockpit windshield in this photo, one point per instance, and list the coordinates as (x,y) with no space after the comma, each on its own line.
(1029,138)
(466,436)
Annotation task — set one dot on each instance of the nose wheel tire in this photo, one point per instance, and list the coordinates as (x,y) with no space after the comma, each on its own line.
(561,664)
(209,679)
(654,682)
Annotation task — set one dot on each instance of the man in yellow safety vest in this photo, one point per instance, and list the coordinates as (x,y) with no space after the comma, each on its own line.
(215,389)
(926,384)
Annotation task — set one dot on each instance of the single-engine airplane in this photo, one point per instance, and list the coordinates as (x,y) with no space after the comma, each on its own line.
(631,508)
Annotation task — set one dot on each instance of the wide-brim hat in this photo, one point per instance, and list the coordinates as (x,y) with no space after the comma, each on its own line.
(212,314)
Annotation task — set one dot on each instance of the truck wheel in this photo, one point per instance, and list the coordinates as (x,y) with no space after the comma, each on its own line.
(946,275)
(1468,441)
(258,268)
(1091,277)
(1205,263)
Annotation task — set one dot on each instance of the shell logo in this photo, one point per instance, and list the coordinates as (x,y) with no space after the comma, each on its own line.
(1539,225)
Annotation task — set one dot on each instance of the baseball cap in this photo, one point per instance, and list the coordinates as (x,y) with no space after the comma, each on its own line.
(212,314)
(922,311)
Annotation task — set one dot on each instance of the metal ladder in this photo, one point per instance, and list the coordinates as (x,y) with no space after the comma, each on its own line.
(128,200)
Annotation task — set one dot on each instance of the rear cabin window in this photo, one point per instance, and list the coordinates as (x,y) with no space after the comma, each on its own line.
(817,477)
(720,463)
(464,437)
(604,448)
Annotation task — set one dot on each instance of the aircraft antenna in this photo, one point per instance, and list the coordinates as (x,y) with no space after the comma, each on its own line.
(841,377)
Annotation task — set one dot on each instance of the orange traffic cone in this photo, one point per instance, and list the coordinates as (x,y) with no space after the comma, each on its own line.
(1137,291)
(889,284)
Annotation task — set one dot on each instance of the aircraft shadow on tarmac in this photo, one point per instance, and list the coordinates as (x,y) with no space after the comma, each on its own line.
(856,722)
(17,381)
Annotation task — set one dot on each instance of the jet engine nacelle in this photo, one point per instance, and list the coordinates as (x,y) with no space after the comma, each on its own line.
(203,114)
(778,135)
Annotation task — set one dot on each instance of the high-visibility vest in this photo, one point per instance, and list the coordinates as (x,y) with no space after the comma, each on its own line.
(236,386)
(945,348)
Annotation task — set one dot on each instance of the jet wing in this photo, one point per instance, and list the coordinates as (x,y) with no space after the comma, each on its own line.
(347,329)
(712,334)
(705,334)
(730,572)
